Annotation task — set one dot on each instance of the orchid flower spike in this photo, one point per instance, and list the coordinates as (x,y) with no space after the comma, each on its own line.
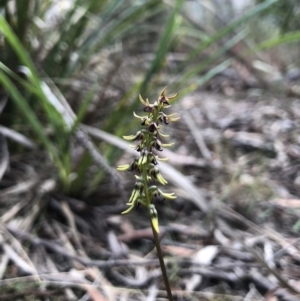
(148,141)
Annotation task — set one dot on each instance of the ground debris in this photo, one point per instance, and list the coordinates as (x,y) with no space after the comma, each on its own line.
(236,239)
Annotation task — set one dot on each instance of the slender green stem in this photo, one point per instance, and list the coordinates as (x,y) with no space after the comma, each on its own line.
(162,263)
(149,140)
(156,241)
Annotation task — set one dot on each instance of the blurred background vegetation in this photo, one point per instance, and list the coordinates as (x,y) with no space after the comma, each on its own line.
(96,56)
(71,72)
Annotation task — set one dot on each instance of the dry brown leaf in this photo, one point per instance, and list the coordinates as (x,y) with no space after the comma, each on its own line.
(288,203)
(253,140)
(19,188)
(295,284)
(94,293)
(269,296)
(178,251)
(17,137)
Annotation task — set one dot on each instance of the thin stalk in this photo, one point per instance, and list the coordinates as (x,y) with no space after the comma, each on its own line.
(156,241)
(162,263)
(142,194)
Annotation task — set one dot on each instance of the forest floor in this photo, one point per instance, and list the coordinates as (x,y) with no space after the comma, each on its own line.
(231,234)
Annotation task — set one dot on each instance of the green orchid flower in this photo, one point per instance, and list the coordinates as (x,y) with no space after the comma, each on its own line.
(148,139)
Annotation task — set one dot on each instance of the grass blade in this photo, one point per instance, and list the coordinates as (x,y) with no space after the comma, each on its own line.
(221,33)
(112,30)
(290,37)
(163,46)
(116,122)
(29,114)
(203,79)
(18,47)
(22,18)
(192,72)
(83,108)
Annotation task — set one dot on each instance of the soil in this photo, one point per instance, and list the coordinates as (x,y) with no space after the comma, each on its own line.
(231,234)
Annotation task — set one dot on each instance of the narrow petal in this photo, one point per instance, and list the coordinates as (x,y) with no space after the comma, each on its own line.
(171,115)
(134,195)
(172,97)
(129,138)
(138,116)
(143,101)
(163,135)
(129,209)
(123,167)
(162,93)
(167,145)
(160,179)
(162,159)
(173,119)
(143,158)
(170,196)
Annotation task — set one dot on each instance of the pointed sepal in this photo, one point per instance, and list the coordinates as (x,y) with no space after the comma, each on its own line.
(154,217)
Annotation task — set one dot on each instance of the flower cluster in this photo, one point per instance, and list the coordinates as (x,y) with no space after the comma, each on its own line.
(149,139)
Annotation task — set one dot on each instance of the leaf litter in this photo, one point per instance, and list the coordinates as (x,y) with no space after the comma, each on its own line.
(232,232)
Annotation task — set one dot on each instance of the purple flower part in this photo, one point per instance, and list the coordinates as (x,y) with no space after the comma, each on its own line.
(149,109)
(152,127)
(152,159)
(157,145)
(134,166)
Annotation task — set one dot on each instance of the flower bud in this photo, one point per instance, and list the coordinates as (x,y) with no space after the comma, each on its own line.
(170,196)
(152,127)
(164,100)
(129,167)
(137,191)
(143,158)
(154,217)
(152,158)
(157,145)
(154,173)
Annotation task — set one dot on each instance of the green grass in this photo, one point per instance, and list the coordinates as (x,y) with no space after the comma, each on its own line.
(86,32)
